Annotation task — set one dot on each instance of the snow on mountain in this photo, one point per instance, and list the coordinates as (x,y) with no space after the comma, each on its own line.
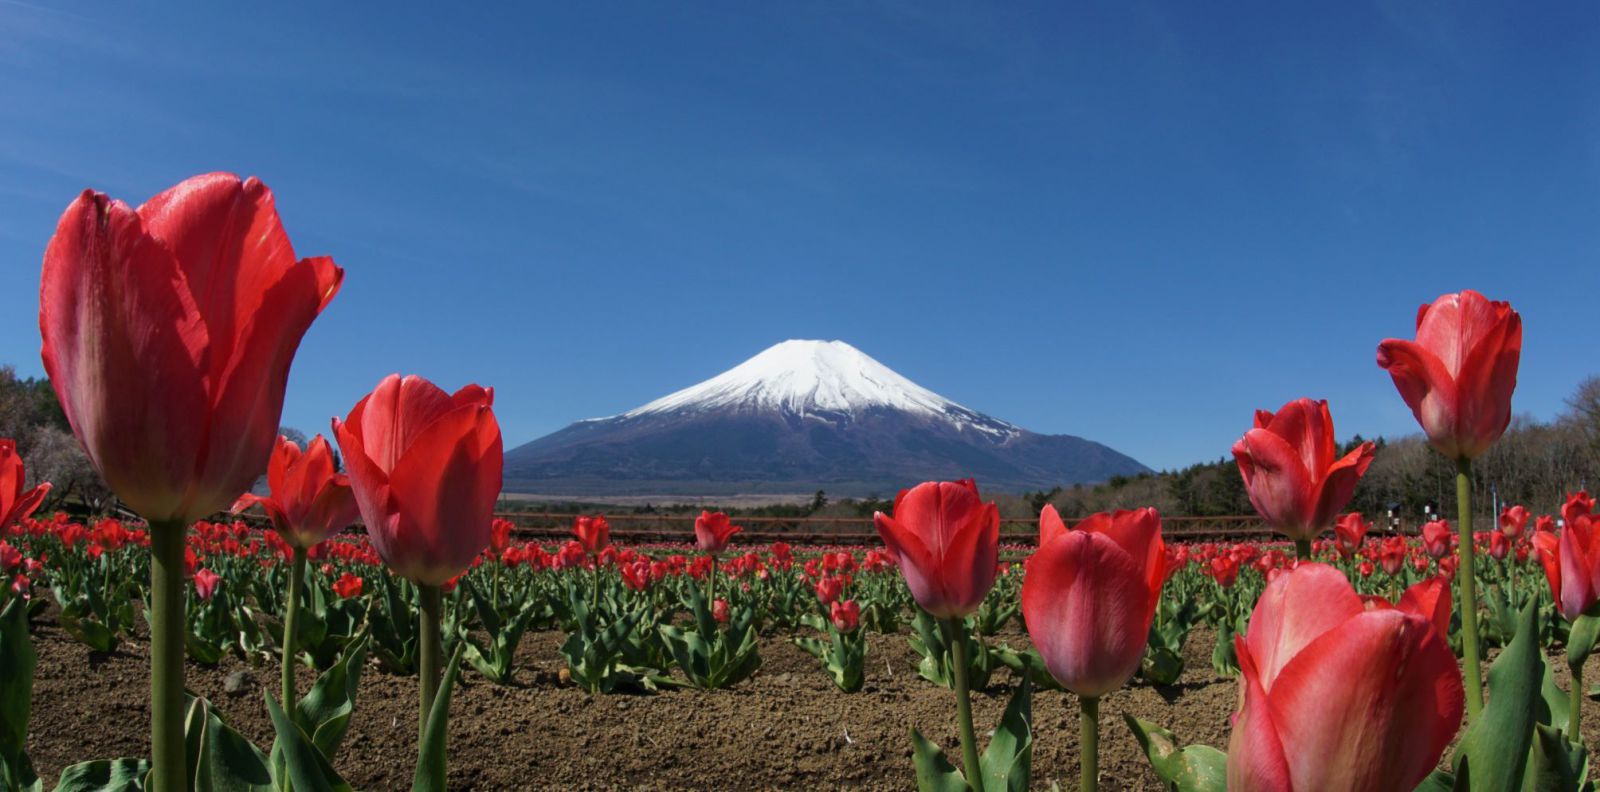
(826,380)
(802,416)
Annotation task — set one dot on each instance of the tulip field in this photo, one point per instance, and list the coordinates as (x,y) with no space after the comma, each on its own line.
(523,617)
(242,633)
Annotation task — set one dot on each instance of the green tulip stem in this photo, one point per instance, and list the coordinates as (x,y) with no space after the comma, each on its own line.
(297,579)
(1469,592)
(1089,743)
(430,652)
(955,635)
(494,583)
(711,584)
(1575,703)
(1302,549)
(594,599)
(167,627)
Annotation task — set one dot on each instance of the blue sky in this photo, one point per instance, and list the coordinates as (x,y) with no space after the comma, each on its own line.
(1134,222)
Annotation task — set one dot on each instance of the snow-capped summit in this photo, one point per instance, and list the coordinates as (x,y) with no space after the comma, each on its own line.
(798,417)
(826,380)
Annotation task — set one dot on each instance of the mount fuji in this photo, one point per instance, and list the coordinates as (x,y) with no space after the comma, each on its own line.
(802,416)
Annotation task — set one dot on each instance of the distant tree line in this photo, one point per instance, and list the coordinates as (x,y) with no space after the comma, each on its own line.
(1536,464)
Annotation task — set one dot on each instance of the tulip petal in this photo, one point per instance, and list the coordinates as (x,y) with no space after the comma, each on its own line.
(1455,324)
(1379,730)
(1340,481)
(1050,524)
(1295,610)
(282,461)
(248,393)
(395,413)
(1578,548)
(1276,480)
(1306,427)
(369,482)
(1088,609)
(912,557)
(1427,388)
(1487,379)
(1256,761)
(126,351)
(445,486)
(1138,533)
(1429,599)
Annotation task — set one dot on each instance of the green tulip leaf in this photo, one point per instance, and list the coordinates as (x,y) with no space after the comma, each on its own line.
(220,759)
(1556,764)
(1196,768)
(431,767)
(1008,761)
(325,711)
(934,771)
(17,661)
(305,766)
(104,775)
(1553,705)
(1497,743)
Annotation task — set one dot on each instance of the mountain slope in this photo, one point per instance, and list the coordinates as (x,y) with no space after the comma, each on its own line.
(802,415)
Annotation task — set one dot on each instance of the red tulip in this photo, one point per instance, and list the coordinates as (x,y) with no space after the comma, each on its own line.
(1544,524)
(1513,521)
(1337,696)
(1226,571)
(1457,377)
(1436,538)
(1089,594)
(1392,556)
(206,583)
(500,534)
(1430,597)
(946,541)
(1366,569)
(1499,546)
(16,503)
(309,499)
(168,333)
(594,533)
(348,585)
(829,589)
(1292,470)
(1351,531)
(719,610)
(10,557)
(846,615)
(1571,559)
(1578,506)
(426,469)
(712,531)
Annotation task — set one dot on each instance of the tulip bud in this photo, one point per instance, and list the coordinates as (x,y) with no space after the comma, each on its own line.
(16,503)
(168,333)
(1090,593)
(946,541)
(1292,471)
(426,469)
(712,531)
(1458,375)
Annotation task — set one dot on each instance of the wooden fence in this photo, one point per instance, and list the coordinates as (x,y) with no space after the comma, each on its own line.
(660,527)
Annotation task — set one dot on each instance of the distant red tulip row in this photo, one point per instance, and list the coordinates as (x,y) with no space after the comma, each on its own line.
(168,333)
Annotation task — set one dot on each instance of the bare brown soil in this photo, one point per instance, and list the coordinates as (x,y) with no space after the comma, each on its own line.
(787,728)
